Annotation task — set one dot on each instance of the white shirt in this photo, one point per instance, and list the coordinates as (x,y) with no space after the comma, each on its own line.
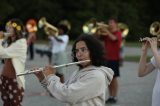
(17,51)
(59,46)
(156,89)
(86,87)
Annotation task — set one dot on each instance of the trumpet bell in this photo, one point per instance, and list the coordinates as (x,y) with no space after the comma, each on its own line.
(89,28)
(124,29)
(48,28)
(65,23)
(155,28)
(41,22)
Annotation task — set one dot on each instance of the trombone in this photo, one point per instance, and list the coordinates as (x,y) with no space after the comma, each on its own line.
(58,66)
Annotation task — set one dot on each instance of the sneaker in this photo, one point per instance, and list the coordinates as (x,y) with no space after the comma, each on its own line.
(111,101)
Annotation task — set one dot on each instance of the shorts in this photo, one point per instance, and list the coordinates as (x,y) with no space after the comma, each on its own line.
(114,65)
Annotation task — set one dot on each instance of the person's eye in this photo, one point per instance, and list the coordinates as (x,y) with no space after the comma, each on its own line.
(84,49)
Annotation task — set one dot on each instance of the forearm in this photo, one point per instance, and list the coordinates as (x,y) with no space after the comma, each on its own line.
(111,36)
(142,64)
(44,85)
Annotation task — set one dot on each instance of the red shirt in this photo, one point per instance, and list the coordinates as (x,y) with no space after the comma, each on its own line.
(112,47)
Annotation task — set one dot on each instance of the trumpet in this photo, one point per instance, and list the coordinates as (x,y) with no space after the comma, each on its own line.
(154,30)
(58,66)
(94,27)
(48,28)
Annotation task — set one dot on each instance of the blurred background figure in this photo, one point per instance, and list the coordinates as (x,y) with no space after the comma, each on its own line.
(112,39)
(31,27)
(59,45)
(58,41)
(124,30)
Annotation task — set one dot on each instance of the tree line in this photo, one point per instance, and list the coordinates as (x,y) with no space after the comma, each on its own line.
(137,14)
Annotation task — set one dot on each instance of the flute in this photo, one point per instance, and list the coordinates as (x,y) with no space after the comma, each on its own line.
(143,40)
(58,66)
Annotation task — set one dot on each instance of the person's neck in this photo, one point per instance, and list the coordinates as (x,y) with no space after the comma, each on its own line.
(114,29)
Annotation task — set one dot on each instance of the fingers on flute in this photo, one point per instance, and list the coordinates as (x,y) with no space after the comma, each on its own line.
(49,70)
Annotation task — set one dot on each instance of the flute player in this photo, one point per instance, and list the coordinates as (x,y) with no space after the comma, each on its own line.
(87,85)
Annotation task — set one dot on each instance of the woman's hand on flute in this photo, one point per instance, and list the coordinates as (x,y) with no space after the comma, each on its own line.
(39,75)
(48,70)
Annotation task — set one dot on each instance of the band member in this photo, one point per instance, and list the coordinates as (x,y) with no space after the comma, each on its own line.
(14,55)
(112,40)
(31,27)
(59,45)
(87,85)
(145,67)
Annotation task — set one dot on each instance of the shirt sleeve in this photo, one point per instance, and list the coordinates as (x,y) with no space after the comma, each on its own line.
(87,87)
(14,50)
(153,61)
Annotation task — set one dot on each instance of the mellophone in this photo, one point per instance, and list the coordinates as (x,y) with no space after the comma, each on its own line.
(58,66)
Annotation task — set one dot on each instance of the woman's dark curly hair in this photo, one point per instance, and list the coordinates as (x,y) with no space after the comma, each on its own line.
(94,46)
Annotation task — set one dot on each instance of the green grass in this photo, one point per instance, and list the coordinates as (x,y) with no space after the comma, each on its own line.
(133,44)
(134,58)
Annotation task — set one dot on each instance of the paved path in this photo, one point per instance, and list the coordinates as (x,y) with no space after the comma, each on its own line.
(133,91)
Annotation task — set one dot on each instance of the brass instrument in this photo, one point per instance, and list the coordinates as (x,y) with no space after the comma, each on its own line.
(154,30)
(48,28)
(94,27)
(58,66)
(65,23)
(124,29)
(90,27)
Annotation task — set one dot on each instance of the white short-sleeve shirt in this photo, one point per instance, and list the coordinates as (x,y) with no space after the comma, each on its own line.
(156,89)
(59,46)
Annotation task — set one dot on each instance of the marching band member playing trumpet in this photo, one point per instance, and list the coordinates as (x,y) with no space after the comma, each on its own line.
(86,86)
(112,40)
(145,67)
(58,47)
(14,55)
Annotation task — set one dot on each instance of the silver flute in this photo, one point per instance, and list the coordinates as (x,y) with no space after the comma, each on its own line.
(6,34)
(58,66)
(143,40)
